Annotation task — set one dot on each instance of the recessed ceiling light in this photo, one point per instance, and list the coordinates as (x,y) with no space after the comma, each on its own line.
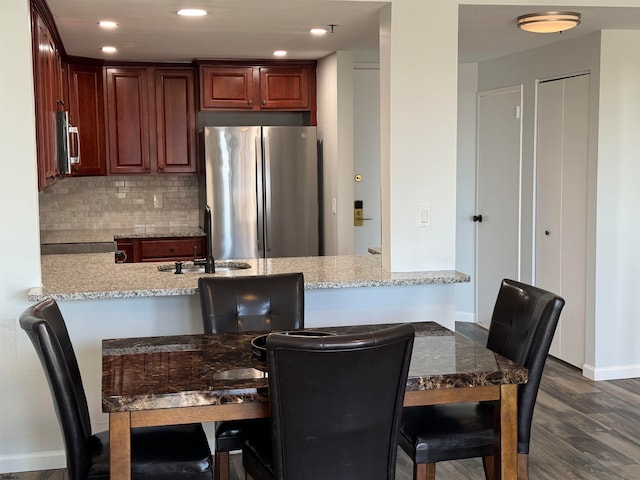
(318,31)
(192,12)
(108,49)
(280,53)
(107,24)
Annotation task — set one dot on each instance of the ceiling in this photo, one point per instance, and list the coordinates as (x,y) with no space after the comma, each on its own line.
(149,30)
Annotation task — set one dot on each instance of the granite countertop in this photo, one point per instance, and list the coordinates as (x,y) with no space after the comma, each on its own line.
(221,369)
(97,276)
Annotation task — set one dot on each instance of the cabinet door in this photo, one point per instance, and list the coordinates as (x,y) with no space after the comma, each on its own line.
(86,111)
(128,120)
(284,88)
(175,120)
(227,87)
(47,80)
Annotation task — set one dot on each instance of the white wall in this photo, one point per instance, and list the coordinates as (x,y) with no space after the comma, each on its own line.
(19,242)
(617,264)
(335,132)
(421,139)
(612,325)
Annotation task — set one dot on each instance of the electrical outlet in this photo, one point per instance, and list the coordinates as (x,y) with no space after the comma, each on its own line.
(157,200)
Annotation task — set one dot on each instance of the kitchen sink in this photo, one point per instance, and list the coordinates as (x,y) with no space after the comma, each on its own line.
(189,267)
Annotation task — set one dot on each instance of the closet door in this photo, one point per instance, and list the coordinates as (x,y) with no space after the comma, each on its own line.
(498,179)
(561,206)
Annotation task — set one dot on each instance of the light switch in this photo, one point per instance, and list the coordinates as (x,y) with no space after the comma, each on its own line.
(424,215)
(334,205)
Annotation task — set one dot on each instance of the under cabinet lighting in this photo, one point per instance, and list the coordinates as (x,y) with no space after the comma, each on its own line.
(192,12)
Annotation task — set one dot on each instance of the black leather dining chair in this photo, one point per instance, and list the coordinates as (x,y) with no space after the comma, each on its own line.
(335,406)
(178,452)
(522,327)
(257,303)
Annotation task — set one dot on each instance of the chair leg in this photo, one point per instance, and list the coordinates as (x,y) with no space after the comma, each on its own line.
(487,464)
(221,466)
(424,471)
(523,466)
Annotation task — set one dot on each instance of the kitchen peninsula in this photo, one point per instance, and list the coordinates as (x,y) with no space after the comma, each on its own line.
(355,285)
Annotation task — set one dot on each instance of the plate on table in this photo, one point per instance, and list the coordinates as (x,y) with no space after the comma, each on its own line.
(259,343)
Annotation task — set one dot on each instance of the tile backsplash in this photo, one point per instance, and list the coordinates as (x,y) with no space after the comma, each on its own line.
(120,202)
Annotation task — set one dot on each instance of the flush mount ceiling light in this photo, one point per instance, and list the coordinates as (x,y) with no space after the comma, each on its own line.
(109,49)
(318,31)
(280,53)
(192,12)
(549,22)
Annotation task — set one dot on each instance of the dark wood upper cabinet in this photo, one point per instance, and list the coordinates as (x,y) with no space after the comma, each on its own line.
(86,111)
(227,87)
(48,94)
(128,123)
(175,108)
(284,88)
(289,86)
(151,120)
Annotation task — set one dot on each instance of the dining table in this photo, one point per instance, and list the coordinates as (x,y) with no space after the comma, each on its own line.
(178,379)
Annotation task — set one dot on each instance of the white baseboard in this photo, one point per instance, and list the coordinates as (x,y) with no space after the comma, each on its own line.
(468,317)
(618,372)
(28,462)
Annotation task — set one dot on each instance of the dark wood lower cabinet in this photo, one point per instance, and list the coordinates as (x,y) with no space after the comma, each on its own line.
(160,249)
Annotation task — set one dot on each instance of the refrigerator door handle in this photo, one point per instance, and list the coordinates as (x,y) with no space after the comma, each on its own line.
(260,194)
(267,195)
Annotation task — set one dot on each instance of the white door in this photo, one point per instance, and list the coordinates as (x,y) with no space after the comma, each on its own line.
(561,206)
(498,194)
(366,98)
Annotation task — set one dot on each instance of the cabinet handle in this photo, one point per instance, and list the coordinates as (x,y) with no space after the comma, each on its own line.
(172,249)
(264,102)
(250,102)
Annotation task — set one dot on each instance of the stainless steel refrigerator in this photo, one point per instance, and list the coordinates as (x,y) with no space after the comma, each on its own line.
(261,184)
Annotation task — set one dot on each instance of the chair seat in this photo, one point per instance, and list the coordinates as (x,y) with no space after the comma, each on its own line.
(167,452)
(232,434)
(447,432)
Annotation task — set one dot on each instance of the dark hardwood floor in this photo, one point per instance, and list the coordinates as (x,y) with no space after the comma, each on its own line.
(582,430)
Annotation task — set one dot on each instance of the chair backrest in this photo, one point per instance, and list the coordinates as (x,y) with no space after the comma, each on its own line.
(522,326)
(252,303)
(46,329)
(336,403)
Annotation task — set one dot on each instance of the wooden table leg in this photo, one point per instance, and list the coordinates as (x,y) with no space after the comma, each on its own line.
(506,457)
(120,445)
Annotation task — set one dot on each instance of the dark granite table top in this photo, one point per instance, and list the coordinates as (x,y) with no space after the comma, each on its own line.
(197,370)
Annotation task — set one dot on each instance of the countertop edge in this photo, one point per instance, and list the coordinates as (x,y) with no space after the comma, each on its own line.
(37,294)
(97,276)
